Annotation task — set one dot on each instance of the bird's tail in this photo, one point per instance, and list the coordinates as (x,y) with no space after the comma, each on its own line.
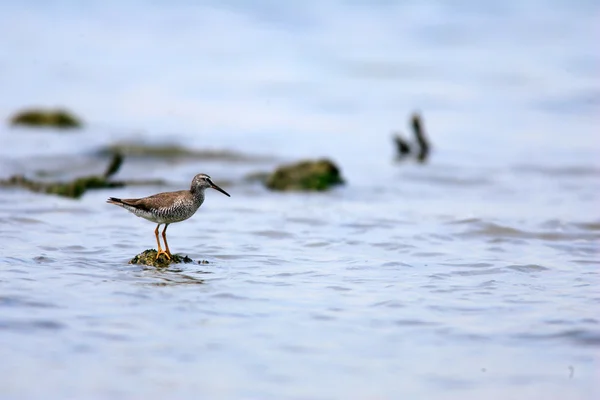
(114,200)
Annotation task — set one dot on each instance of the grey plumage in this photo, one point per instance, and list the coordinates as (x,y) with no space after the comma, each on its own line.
(163,208)
(169,207)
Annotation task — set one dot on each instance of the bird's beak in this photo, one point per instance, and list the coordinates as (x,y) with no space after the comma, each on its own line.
(219,189)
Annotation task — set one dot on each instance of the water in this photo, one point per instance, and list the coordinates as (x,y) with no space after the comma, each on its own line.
(474,276)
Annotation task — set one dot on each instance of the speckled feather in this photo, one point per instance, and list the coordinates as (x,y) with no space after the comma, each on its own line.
(169,207)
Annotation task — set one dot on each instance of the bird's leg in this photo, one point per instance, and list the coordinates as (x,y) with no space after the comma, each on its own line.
(157,241)
(164,235)
(160,250)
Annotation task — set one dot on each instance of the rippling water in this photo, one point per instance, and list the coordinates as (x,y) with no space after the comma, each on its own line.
(474,276)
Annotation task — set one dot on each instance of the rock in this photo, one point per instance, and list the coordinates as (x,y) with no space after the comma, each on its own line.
(79,186)
(59,118)
(173,151)
(73,189)
(306,175)
(148,257)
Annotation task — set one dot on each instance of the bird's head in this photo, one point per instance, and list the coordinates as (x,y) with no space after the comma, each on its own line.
(203,181)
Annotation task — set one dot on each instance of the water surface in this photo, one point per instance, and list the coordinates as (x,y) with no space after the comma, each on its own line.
(474,276)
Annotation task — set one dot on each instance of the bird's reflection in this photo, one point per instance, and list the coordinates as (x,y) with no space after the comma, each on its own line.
(171,277)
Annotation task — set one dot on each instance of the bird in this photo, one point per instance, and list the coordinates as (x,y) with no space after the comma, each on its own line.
(169,207)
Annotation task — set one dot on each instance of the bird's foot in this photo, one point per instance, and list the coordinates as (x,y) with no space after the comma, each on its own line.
(161,251)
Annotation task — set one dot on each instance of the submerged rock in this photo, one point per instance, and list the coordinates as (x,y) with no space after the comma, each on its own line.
(74,188)
(174,151)
(148,257)
(309,175)
(61,119)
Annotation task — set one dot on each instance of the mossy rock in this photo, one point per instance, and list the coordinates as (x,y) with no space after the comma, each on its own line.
(61,119)
(79,186)
(150,151)
(309,175)
(73,189)
(148,257)
(174,151)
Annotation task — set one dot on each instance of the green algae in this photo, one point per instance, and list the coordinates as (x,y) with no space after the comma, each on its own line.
(38,117)
(307,175)
(148,257)
(174,151)
(73,189)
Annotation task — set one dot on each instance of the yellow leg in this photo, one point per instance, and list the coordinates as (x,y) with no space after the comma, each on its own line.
(164,235)
(160,250)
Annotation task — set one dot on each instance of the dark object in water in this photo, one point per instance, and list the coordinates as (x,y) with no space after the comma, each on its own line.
(306,175)
(422,141)
(421,147)
(149,258)
(73,189)
(174,151)
(61,119)
(402,145)
(114,166)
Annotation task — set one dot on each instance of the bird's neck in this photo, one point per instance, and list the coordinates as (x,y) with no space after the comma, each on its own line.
(198,195)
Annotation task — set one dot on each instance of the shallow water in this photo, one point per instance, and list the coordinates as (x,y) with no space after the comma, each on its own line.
(474,276)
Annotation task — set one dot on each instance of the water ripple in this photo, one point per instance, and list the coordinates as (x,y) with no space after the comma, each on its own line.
(584,337)
(14,301)
(27,326)
(528,268)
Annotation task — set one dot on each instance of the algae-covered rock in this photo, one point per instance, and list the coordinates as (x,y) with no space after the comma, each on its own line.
(148,257)
(317,175)
(74,188)
(79,186)
(59,118)
(174,151)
